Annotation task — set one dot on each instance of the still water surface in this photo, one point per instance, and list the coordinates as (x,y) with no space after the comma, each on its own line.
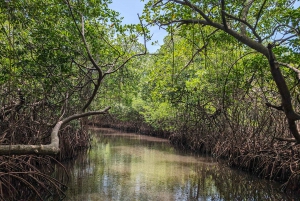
(130,167)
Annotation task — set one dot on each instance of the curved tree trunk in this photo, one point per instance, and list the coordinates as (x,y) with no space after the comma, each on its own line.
(53,147)
(256,44)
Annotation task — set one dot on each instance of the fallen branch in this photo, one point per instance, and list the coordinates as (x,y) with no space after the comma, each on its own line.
(286,139)
(53,147)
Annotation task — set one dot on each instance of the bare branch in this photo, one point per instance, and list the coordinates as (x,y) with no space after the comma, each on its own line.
(99,70)
(197,52)
(297,71)
(285,39)
(223,14)
(188,3)
(244,39)
(111,70)
(285,139)
(53,147)
(259,13)
(245,12)
(248,25)
(277,27)
(274,106)
(81,32)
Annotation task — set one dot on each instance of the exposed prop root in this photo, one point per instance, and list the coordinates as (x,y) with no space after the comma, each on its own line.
(29,178)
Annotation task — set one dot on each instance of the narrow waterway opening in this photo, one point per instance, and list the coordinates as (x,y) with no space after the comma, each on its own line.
(126,166)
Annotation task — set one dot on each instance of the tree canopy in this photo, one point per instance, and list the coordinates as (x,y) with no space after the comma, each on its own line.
(225,81)
(54,57)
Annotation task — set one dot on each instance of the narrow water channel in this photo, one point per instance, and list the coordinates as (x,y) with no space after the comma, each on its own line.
(130,167)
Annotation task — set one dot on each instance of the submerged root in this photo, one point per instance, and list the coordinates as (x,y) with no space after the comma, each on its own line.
(29,178)
(277,161)
(241,142)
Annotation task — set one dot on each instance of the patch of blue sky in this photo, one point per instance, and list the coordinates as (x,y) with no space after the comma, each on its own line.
(129,10)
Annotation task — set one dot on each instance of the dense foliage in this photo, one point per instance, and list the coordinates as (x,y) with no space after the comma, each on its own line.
(225,82)
(54,57)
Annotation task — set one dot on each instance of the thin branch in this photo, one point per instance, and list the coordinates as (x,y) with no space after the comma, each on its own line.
(248,25)
(197,52)
(244,39)
(111,70)
(191,60)
(285,39)
(189,4)
(63,109)
(223,14)
(227,76)
(81,32)
(82,66)
(277,27)
(259,14)
(53,147)
(297,71)
(14,108)
(108,43)
(155,4)
(245,12)
(274,106)
(285,139)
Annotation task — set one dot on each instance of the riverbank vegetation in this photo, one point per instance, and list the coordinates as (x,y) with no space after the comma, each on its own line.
(225,82)
(54,57)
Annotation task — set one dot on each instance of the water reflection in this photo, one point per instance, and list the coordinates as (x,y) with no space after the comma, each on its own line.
(132,167)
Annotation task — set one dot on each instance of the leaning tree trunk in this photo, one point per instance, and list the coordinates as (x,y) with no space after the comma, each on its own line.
(254,43)
(53,147)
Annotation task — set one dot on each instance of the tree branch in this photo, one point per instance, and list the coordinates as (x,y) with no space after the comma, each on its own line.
(81,32)
(274,106)
(191,60)
(197,52)
(243,28)
(96,66)
(297,71)
(244,39)
(259,13)
(223,14)
(53,147)
(111,70)
(245,12)
(285,139)
(188,3)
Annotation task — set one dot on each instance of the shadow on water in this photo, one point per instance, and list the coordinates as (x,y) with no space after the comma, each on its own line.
(124,166)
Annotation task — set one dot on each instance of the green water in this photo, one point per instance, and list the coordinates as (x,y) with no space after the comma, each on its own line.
(128,167)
